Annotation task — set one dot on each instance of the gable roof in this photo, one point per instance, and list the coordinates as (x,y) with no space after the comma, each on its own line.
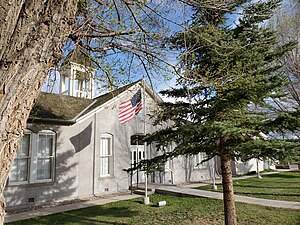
(58,106)
(108,96)
(64,109)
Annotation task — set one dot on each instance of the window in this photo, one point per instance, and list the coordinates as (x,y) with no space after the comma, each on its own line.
(106,159)
(137,148)
(81,87)
(137,139)
(65,83)
(20,170)
(35,159)
(198,159)
(168,163)
(45,155)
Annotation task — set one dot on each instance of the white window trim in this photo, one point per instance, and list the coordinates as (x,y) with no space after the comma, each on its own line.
(33,158)
(138,149)
(109,156)
(169,163)
(52,157)
(28,158)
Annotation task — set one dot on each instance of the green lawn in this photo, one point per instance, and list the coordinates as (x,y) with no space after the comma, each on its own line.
(179,210)
(281,186)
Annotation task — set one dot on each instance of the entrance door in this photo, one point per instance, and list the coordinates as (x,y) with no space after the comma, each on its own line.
(137,154)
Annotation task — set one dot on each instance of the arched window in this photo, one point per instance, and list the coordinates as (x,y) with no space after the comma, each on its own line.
(106,155)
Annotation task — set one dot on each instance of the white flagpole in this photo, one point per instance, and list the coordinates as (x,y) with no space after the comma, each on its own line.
(146,198)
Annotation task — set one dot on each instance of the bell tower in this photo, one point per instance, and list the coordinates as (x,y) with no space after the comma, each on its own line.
(77,76)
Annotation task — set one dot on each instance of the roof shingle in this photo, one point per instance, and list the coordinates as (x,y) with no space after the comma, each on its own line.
(50,106)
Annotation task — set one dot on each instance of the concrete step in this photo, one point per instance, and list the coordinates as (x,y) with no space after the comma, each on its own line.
(139,190)
(142,192)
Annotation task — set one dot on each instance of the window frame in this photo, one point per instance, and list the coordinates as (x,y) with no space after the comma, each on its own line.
(32,176)
(109,156)
(168,166)
(28,157)
(50,157)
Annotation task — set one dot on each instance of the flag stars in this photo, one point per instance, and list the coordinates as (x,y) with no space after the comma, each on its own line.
(131,107)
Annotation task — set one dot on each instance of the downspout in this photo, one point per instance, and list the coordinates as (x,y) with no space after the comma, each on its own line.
(94,154)
(172,166)
(146,198)
(94,150)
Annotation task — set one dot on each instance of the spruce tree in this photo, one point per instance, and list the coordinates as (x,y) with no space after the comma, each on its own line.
(224,98)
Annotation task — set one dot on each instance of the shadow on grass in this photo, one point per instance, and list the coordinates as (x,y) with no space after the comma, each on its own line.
(91,215)
(151,204)
(139,201)
(104,211)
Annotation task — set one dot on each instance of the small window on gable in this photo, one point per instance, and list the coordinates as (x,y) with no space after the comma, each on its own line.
(106,155)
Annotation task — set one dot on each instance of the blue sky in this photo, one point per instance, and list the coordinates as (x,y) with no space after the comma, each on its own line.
(174,11)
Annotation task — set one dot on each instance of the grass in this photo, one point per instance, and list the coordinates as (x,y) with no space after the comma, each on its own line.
(281,186)
(179,210)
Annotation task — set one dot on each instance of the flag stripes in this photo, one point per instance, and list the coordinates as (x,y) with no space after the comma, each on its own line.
(130,108)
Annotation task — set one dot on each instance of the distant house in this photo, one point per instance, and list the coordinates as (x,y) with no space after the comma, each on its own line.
(252,165)
(75,147)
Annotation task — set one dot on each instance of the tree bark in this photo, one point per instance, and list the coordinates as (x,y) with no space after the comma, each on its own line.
(31,40)
(228,194)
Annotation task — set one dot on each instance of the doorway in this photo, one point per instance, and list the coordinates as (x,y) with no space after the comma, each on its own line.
(137,154)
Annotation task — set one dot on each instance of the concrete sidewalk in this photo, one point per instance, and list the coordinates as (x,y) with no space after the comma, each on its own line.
(186,190)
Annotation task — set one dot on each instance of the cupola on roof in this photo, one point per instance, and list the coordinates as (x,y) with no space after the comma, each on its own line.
(77,75)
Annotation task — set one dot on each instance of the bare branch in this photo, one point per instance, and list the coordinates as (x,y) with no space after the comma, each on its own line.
(102,35)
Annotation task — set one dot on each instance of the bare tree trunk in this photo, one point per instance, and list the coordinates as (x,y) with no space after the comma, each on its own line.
(31,40)
(228,195)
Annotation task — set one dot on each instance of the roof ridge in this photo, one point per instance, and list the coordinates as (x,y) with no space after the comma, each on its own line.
(118,89)
(102,99)
(52,106)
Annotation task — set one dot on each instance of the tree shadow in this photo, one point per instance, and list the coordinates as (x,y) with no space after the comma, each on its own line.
(33,195)
(90,215)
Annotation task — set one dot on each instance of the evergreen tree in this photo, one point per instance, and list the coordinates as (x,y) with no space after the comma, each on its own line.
(225,95)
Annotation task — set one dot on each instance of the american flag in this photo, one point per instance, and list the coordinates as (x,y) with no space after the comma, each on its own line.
(131,107)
